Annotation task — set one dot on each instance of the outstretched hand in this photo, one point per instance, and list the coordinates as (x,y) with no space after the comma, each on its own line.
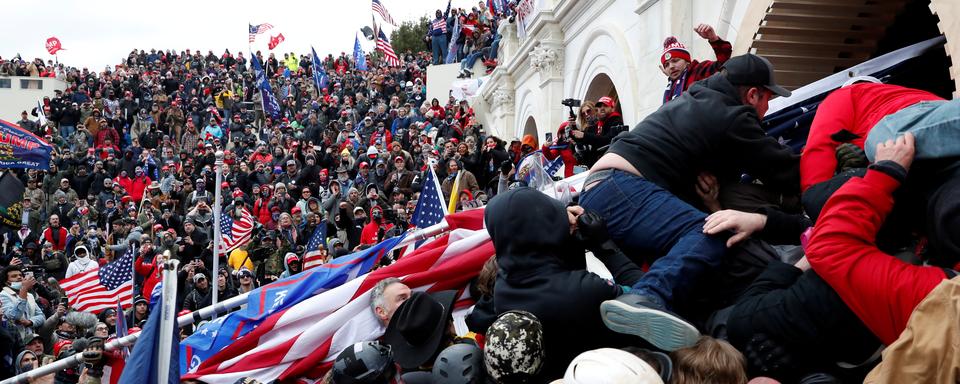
(743,224)
(900,151)
(706,31)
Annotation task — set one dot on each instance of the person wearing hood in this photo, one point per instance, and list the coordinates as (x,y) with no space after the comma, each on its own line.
(27,361)
(371,233)
(138,184)
(540,254)
(83,261)
(291,265)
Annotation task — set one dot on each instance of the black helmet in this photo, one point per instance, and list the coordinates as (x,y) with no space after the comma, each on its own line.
(459,364)
(366,362)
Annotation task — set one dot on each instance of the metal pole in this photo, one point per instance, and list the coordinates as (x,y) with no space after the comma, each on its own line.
(217,212)
(193,317)
(167,317)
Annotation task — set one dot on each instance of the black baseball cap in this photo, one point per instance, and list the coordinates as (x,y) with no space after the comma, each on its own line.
(753,70)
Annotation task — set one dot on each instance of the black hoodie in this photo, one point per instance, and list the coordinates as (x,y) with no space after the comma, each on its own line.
(541,271)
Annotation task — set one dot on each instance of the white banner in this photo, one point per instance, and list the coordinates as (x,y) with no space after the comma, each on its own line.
(526,9)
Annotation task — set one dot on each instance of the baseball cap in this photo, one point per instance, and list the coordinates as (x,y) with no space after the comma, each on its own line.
(199,276)
(750,69)
(606,100)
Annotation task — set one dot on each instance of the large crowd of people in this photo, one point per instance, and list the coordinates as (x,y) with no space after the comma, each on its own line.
(731,257)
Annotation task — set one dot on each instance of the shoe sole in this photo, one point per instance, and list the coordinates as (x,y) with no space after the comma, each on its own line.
(661,329)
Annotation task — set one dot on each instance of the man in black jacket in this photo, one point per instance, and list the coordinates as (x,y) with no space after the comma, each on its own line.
(540,254)
(644,187)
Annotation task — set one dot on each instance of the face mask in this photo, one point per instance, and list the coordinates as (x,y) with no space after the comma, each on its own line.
(26,367)
(380,171)
(16,286)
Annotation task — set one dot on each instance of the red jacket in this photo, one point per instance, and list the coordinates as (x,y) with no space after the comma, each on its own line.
(699,70)
(369,233)
(569,160)
(137,185)
(59,245)
(879,288)
(857,109)
(151,275)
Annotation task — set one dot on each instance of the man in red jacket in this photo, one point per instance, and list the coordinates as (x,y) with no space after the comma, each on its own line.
(846,116)
(561,146)
(881,289)
(682,71)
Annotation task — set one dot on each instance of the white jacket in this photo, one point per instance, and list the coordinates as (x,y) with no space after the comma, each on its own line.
(81,265)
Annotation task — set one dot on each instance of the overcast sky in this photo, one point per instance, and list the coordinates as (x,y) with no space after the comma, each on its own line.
(96,33)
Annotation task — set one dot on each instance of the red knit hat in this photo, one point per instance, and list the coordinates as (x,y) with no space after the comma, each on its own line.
(673,48)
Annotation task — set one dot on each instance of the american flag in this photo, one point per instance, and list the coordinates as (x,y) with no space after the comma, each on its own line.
(255,30)
(234,233)
(384,45)
(382,11)
(312,257)
(302,341)
(430,210)
(101,288)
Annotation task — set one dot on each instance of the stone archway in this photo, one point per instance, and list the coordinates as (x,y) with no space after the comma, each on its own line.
(602,85)
(530,128)
(810,39)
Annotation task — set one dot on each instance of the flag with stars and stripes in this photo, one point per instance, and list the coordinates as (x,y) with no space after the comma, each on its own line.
(101,288)
(234,233)
(312,257)
(380,10)
(254,30)
(388,54)
(430,208)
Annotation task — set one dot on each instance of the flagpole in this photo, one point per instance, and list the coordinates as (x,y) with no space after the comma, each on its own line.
(217,236)
(168,317)
(196,316)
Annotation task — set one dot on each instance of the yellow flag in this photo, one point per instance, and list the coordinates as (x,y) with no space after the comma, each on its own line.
(454,194)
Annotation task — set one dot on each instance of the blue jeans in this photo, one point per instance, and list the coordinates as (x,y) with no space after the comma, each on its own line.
(439,45)
(936,125)
(642,217)
(67,130)
(470,60)
(493,48)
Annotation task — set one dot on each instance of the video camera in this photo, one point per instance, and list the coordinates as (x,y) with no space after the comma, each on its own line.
(572,103)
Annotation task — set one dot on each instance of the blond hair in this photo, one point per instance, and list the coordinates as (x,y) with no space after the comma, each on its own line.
(709,361)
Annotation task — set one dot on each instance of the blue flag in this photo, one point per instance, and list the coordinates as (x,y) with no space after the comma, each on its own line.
(21,149)
(142,366)
(262,302)
(358,57)
(320,78)
(270,105)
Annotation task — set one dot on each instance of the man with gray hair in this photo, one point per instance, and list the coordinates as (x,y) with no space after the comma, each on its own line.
(386,296)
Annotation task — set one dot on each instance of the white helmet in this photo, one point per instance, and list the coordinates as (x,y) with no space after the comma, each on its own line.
(610,366)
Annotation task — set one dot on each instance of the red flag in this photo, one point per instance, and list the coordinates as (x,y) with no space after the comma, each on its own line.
(275,41)
(53,45)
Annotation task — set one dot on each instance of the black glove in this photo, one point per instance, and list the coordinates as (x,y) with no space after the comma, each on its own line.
(592,231)
(93,357)
(850,156)
(766,357)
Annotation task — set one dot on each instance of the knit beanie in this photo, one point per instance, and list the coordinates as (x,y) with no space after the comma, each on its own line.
(673,48)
